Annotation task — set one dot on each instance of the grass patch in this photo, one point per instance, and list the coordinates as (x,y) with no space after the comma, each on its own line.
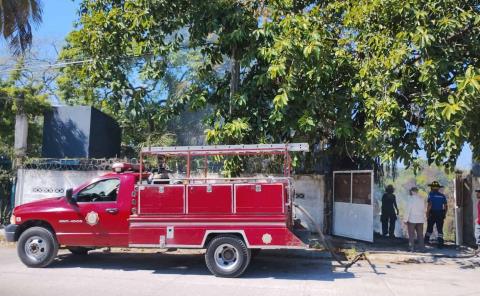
(3,241)
(350,253)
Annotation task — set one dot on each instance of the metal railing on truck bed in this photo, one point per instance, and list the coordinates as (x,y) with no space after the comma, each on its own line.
(215,198)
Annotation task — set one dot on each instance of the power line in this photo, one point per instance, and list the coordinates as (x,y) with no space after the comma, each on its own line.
(68,62)
(64,64)
(48,66)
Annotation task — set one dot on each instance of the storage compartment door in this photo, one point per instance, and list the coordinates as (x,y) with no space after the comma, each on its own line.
(162,199)
(209,199)
(259,198)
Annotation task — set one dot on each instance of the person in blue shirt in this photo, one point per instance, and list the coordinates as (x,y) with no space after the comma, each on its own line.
(436,212)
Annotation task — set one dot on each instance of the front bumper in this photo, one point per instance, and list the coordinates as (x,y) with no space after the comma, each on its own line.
(10,232)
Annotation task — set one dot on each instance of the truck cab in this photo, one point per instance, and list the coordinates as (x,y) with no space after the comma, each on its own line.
(229,217)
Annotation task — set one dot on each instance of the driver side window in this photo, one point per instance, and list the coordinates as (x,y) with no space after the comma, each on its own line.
(101,191)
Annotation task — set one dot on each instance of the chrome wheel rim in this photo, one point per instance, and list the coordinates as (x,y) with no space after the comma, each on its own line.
(36,248)
(226,257)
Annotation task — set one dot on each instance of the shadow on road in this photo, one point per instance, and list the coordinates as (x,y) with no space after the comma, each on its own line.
(271,265)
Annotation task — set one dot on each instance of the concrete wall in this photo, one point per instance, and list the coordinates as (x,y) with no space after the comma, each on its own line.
(313,189)
(33,184)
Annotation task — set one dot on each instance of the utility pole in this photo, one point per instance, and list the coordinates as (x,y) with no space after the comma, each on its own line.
(21,132)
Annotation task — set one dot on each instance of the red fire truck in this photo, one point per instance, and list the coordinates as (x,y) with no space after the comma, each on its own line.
(229,217)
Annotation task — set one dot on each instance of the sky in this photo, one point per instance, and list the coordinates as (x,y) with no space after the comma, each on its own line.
(58,20)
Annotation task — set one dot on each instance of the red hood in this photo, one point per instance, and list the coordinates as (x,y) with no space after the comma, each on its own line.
(41,204)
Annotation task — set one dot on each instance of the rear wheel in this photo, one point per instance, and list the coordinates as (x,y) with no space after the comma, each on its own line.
(37,247)
(227,256)
(81,251)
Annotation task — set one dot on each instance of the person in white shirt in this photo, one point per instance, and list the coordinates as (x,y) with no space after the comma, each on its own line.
(415,218)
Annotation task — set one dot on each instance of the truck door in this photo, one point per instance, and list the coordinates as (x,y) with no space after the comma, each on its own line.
(104,213)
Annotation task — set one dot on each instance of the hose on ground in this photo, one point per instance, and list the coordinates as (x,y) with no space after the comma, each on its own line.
(326,243)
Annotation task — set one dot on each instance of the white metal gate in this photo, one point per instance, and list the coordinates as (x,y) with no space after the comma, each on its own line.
(352,204)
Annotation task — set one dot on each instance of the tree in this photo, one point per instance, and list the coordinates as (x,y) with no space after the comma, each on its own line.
(140,103)
(405,75)
(35,103)
(418,65)
(16,19)
(365,79)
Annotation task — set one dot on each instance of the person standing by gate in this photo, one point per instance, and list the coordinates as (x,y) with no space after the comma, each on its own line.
(436,212)
(414,218)
(389,212)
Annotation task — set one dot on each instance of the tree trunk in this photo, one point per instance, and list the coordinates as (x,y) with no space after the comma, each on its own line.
(235,76)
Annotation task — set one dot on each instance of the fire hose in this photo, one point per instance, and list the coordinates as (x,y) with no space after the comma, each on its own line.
(326,243)
(363,255)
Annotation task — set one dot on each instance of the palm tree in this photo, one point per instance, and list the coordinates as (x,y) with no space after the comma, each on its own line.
(16,19)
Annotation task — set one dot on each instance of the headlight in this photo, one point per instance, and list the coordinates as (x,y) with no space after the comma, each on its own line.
(12,219)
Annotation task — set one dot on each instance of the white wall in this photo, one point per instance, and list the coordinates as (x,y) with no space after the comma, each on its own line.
(313,189)
(35,184)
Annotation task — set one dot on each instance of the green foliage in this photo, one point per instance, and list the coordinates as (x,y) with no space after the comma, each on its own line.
(416,65)
(373,78)
(154,59)
(131,69)
(385,77)
(5,191)
(34,103)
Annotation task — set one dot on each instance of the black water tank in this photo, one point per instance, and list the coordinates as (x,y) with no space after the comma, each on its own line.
(80,132)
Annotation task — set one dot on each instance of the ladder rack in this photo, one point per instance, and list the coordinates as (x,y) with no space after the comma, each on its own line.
(227,149)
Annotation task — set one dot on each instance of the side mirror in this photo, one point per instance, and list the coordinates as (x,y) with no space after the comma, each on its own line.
(69,196)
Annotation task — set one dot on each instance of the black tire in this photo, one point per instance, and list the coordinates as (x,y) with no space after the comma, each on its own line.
(227,256)
(37,247)
(80,251)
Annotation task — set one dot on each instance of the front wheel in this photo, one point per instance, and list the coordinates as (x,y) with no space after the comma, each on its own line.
(227,256)
(37,247)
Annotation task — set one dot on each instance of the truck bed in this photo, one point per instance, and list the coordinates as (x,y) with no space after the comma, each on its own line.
(186,215)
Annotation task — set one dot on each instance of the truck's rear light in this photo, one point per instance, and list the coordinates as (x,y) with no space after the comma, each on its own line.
(134,211)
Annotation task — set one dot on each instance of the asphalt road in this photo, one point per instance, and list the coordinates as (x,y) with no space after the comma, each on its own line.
(271,273)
